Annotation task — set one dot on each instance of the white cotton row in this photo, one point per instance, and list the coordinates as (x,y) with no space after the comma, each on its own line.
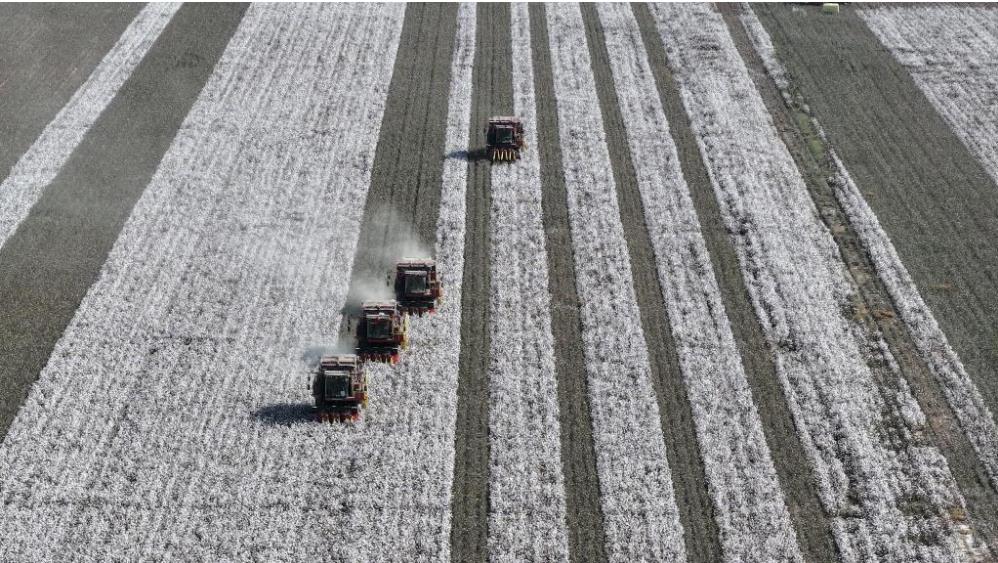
(951,54)
(867,471)
(40,164)
(527,491)
(640,516)
(750,509)
(172,419)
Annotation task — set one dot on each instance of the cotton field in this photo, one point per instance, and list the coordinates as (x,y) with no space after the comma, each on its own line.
(682,323)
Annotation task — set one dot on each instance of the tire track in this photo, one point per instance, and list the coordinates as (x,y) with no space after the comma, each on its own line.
(49,263)
(402,207)
(809,518)
(696,509)
(492,94)
(876,310)
(586,538)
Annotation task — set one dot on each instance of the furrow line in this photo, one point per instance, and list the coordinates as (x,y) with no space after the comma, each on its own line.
(889,494)
(177,399)
(640,515)
(749,507)
(492,94)
(584,518)
(889,304)
(527,491)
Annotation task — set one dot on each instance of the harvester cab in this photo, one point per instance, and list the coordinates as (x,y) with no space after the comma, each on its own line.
(417,288)
(504,138)
(339,388)
(382,332)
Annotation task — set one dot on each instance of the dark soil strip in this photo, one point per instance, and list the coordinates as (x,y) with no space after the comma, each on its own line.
(930,194)
(586,539)
(813,528)
(696,508)
(403,202)
(57,252)
(47,51)
(875,310)
(492,94)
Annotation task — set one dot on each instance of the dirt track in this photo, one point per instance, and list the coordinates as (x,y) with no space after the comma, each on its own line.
(50,262)
(400,215)
(809,518)
(874,159)
(492,94)
(582,493)
(48,52)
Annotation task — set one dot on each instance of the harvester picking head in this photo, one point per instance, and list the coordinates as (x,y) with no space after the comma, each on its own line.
(504,138)
(339,388)
(417,288)
(382,331)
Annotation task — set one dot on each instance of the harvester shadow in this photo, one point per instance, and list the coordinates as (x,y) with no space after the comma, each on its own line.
(472,155)
(285,414)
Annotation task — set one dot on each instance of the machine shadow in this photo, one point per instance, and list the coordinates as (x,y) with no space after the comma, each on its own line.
(471,155)
(285,414)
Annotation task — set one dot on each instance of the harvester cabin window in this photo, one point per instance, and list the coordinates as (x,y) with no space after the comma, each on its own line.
(415,283)
(505,135)
(336,385)
(379,328)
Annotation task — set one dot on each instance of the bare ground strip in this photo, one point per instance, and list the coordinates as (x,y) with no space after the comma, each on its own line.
(48,51)
(586,538)
(874,310)
(49,263)
(403,201)
(696,508)
(796,479)
(492,94)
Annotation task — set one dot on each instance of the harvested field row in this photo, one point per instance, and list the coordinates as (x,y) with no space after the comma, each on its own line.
(583,514)
(640,516)
(172,402)
(492,94)
(750,509)
(869,469)
(48,54)
(961,426)
(931,196)
(527,493)
(43,160)
(952,54)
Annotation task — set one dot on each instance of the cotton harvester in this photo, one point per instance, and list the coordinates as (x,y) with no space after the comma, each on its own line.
(382,331)
(340,388)
(417,288)
(504,138)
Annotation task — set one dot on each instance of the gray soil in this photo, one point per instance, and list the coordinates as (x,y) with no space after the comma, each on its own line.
(403,201)
(796,478)
(586,539)
(46,52)
(933,199)
(696,508)
(49,263)
(492,94)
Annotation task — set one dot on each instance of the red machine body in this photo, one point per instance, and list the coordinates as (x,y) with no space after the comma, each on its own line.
(382,332)
(339,388)
(417,288)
